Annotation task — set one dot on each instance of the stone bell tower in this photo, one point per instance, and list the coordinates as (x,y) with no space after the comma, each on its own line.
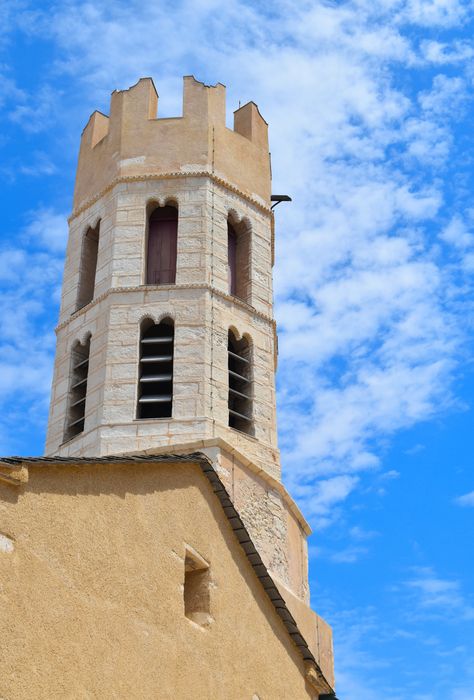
(217,180)
(166,340)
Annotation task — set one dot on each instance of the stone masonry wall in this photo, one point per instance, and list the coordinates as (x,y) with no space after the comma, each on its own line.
(200,305)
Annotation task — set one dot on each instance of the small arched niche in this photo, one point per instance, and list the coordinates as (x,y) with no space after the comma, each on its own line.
(240,383)
(238,257)
(162,245)
(88,266)
(155,381)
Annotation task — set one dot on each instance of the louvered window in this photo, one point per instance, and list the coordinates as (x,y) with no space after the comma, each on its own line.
(88,267)
(77,390)
(155,391)
(162,246)
(240,384)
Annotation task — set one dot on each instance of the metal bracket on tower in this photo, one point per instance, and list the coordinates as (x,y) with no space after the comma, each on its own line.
(277,198)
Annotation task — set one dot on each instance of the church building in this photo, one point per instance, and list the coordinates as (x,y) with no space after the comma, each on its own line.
(154,552)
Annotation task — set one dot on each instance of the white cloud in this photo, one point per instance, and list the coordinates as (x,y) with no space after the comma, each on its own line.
(349,555)
(466,500)
(359,533)
(439,595)
(36,112)
(446,97)
(441,53)
(48,230)
(30,275)
(325,497)
(440,13)
(457,234)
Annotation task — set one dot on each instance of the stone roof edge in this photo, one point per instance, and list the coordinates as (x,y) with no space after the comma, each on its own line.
(271,481)
(313,671)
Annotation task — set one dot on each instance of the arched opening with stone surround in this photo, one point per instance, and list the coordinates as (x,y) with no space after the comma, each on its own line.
(79,372)
(88,266)
(238,256)
(155,380)
(162,243)
(240,383)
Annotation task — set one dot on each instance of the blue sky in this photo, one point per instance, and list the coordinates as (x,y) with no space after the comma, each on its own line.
(370,106)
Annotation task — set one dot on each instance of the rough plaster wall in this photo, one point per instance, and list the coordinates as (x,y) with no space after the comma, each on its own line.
(92,593)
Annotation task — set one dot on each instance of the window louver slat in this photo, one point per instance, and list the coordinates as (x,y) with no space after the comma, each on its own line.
(157,358)
(155,399)
(238,393)
(238,357)
(239,376)
(239,415)
(156,341)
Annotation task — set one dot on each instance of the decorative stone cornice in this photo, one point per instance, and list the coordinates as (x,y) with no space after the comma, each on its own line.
(170,176)
(167,287)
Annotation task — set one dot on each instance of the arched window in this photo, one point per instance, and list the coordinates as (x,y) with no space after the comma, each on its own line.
(238,257)
(88,267)
(162,246)
(77,389)
(240,384)
(155,390)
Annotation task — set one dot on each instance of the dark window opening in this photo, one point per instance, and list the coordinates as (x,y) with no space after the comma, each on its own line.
(88,267)
(240,385)
(78,390)
(232,252)
(155,391)
(162,246)
(238,260)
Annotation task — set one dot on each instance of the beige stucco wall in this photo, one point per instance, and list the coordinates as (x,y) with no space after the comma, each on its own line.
(92,592)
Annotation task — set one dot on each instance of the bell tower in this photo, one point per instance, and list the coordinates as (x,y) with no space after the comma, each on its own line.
(166,339)
(216,291)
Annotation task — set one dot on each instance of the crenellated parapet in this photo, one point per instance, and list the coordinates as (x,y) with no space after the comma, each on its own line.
(133,141)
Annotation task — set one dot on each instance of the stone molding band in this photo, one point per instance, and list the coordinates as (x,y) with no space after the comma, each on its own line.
(169,176)
(166,287)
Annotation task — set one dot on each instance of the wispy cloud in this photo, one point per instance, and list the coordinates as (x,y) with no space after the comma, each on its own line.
(465,500)
(30,275)
(438,595)
(349,555)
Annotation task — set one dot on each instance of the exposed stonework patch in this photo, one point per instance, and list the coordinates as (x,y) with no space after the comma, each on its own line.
(6,544)
(264,516)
